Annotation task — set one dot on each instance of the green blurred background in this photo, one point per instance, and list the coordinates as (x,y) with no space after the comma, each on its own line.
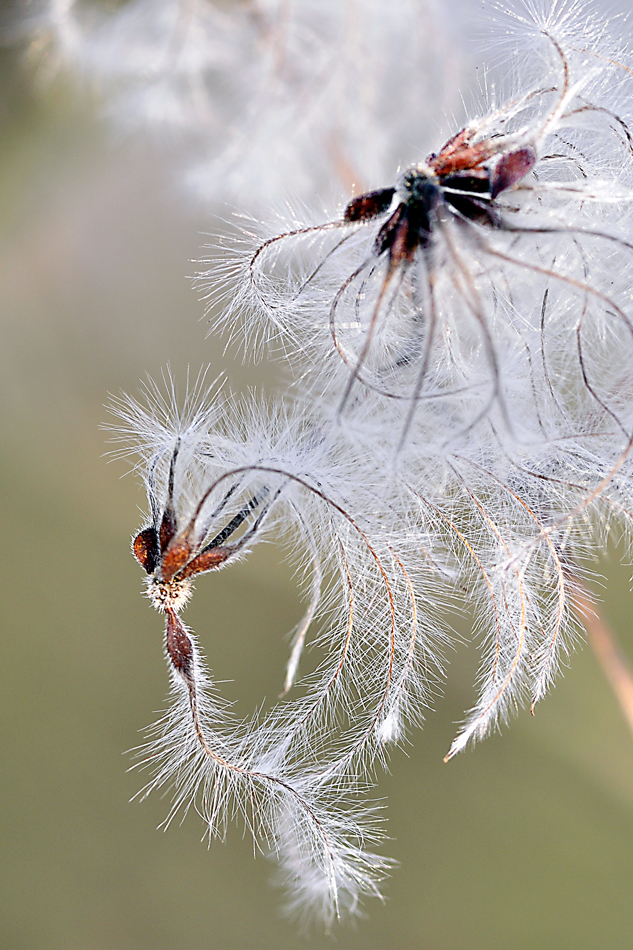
(524,842)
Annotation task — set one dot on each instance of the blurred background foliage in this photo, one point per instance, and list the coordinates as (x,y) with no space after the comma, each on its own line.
(525,842)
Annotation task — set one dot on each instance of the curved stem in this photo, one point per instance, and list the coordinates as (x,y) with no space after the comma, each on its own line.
(604,645)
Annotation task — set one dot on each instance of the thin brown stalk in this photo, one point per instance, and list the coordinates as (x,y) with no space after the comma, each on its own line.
(605,647)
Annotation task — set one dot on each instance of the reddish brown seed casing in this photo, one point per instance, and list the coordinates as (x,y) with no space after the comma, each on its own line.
(369,205)
(206,561)
(175,557)
(511,168)
(145,548)
(179,646)
(464,158)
